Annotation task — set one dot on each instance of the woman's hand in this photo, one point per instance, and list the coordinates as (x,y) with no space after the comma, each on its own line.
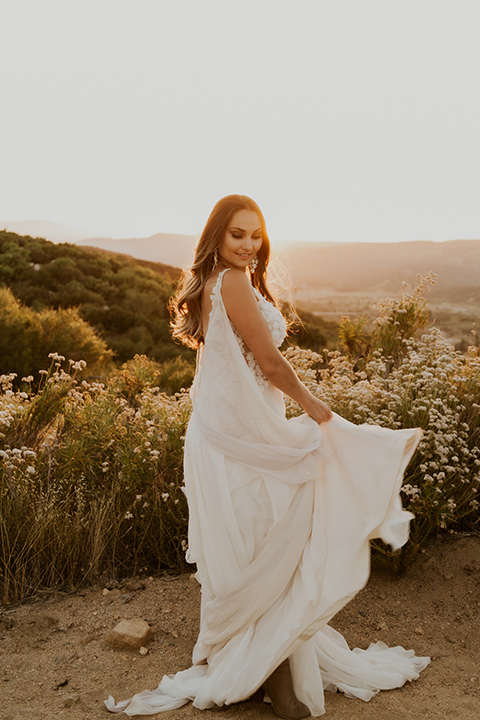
(317,410)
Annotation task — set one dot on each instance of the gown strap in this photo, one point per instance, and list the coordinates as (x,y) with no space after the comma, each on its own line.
(217,287)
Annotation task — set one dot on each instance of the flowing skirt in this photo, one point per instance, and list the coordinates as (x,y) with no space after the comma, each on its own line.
(280,548)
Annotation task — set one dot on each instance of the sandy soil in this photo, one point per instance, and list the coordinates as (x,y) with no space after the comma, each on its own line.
(54,662)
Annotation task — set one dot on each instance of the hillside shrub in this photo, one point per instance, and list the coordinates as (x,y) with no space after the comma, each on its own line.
(28,336)
(91,473)
(421,381)
(90,479)
(124,300)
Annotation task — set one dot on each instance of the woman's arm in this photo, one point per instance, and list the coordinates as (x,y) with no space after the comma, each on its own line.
(242,309)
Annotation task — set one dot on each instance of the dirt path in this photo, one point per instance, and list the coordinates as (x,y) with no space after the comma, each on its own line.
(54,662)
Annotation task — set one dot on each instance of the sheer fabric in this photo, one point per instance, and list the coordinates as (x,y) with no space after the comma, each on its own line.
(281,513)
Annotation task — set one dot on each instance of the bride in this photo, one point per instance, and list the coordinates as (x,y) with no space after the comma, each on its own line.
(281,512)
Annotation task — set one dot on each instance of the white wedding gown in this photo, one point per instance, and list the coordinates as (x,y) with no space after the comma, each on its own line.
(281,515)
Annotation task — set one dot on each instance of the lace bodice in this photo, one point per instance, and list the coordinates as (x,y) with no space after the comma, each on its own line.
(275,321)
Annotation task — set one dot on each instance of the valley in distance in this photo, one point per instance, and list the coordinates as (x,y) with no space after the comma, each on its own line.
(336,279)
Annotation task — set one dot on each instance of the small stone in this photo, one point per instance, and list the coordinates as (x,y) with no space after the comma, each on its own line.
(61,683)
(382,625)
(71,700)
(419,631)
(130,635)
(193,577)
(134,585)
(174,633)
(105,592)
(143,651)
(87,639)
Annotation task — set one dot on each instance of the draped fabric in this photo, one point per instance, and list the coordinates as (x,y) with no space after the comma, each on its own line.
(281,513)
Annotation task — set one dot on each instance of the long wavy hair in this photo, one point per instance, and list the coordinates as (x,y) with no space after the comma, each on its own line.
(186,305)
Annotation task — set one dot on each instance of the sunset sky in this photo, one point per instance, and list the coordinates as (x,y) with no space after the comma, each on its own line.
(347,120)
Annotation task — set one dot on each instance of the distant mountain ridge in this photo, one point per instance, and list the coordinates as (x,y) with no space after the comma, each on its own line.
(341,267)
(361,267)
(56,232)
(167,248)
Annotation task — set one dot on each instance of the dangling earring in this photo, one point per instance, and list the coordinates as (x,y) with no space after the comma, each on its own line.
(253,264)
(215,258)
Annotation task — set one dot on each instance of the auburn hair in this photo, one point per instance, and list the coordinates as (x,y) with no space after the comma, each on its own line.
(186,305)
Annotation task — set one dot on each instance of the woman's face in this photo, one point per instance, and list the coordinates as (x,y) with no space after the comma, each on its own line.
(242,239)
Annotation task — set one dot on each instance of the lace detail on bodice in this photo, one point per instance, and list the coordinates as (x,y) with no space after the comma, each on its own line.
(275,321)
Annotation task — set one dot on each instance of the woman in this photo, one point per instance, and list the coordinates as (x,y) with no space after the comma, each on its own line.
(281,512)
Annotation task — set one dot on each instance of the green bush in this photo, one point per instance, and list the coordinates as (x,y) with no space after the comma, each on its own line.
(419,381)
(91,473)
(27,337)
(90,479)
(124,300)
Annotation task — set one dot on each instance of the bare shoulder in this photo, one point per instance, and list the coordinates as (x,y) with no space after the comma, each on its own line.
(236,286)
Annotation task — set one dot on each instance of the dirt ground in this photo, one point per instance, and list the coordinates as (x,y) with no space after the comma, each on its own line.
(54,662)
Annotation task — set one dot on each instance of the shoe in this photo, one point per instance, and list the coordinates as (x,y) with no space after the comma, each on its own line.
(257,696)
(279,688)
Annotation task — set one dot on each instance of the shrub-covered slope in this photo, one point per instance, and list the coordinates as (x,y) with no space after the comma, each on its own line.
(124,300)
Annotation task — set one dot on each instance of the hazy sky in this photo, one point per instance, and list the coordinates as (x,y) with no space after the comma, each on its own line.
(347,120)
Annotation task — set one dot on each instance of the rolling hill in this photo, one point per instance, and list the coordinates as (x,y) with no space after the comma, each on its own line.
(169,249)
(383,267)
(378,268)
(339,267)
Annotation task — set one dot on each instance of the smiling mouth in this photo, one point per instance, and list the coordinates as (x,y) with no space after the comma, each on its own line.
(244,255)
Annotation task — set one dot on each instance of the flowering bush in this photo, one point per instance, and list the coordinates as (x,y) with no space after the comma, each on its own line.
(90,478)
(91,473)
(420,382)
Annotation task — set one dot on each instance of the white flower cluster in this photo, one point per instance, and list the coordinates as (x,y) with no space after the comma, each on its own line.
(18,459)
(433,387)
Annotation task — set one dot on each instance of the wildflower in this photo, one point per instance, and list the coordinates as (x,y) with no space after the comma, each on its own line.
(165,497)
(79,365)
(28,379)
(31,470)
(128,515)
